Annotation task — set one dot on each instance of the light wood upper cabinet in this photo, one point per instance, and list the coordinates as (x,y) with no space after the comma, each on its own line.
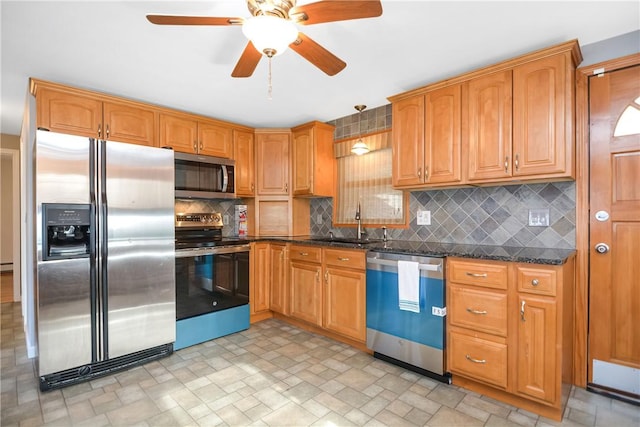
(426,139)
(542,117)
(85,115)
(244,155)
(408,141)
(488,123)
(442,136)
(272,162)
(187,134)
(313,162)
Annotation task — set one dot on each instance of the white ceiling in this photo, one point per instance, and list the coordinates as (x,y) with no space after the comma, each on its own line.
(110,47)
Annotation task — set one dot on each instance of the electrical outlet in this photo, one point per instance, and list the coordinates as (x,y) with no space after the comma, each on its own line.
(319,219)
(424,218)
(225,219)
(538,217)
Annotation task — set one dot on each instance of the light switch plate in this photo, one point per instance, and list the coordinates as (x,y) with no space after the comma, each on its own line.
(424,218)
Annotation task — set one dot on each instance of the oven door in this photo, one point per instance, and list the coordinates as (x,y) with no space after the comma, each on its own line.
(211,279)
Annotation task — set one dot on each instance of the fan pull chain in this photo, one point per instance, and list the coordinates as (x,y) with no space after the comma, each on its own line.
(270,93)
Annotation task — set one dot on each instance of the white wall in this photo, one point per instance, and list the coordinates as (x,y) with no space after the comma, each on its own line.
(6,209)
(615,47)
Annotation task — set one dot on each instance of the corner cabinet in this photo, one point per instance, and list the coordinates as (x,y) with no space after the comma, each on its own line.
(188,134)
(312,162)
(65,110)
(510,331)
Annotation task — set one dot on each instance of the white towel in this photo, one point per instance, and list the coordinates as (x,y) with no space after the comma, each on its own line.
(409,286)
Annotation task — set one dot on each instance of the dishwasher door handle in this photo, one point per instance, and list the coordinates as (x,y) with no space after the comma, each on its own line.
(425,267)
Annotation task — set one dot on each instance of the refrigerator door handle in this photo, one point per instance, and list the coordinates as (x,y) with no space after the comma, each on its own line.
(103,234)
(93,243)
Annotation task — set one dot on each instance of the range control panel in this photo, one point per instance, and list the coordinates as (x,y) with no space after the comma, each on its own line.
(211,219)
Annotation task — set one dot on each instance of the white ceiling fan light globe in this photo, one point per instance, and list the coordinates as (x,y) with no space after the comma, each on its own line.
(270,33)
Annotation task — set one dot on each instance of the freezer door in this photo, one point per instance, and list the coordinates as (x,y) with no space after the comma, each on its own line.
(63,306)
(140,262)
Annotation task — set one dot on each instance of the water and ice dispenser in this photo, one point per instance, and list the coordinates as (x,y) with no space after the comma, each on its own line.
(67,231)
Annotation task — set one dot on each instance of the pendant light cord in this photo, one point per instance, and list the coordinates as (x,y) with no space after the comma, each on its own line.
(270,90)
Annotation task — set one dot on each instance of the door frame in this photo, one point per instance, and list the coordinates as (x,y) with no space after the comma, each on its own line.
(14,155)
(581,304)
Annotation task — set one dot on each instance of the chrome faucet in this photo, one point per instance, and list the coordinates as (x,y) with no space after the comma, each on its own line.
(359,219)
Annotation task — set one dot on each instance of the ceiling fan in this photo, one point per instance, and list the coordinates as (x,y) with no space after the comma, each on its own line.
(272,28)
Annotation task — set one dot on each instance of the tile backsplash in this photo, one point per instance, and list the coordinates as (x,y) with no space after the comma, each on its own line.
(225,206)
(478,215)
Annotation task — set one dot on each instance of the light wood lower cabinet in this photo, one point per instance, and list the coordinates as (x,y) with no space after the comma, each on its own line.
(259,279)
(279,278)
(510,331)
(305,270)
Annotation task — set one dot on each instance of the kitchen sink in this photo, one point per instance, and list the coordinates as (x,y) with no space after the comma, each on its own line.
(344,240)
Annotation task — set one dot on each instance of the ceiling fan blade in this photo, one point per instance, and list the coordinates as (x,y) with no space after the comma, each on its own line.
(248,62)
(193,20)
(335,10)
(317,55)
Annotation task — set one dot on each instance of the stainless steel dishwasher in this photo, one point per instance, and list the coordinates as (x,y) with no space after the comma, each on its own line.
(413,340)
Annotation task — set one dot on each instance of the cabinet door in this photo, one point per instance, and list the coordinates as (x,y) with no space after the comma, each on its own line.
(538,373)
(488,126)
(65,112)
(408,141)
(344,305)
(442,136)
(542,108)
(302,162)
(178,133)
(245,162)
(260,266)
(306,292)
(215,140)
(272,165)
(129,123)
(279,284)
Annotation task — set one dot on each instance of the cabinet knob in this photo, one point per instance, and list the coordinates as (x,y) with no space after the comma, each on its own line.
(506,164)
(426,173)
(99,131)
(195,146)
(326,276)
(517,163)
(535,282)
(419,172)
(108,131)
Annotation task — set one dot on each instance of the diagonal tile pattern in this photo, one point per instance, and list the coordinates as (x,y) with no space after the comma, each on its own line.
(272,374)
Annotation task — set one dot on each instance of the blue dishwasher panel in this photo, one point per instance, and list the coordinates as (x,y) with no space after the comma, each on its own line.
(384,315)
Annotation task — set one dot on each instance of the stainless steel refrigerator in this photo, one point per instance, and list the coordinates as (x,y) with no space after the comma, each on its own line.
(105,283)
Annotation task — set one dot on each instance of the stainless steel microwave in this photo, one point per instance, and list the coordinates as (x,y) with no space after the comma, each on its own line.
(204,177)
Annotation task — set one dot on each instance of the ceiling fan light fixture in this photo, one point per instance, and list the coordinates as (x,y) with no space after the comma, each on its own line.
(269,34)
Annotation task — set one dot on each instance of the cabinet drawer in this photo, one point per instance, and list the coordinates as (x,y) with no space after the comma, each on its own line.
(477,358)
(345,258)
(478,273)
(536,280)
(477,309)
(305,253)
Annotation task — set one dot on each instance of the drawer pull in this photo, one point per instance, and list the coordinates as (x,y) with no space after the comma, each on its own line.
(535,282)
(472,311)
(303,253)
(342,259)
(476,274)
(475,360)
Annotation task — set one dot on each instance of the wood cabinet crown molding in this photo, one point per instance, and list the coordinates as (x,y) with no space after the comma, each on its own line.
(571,46)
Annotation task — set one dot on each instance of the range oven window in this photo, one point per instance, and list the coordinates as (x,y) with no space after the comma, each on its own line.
(207,283)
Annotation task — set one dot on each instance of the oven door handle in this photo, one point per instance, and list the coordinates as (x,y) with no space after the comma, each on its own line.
(185,253)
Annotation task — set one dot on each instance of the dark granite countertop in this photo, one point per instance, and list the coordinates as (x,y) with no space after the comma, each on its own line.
(547,256)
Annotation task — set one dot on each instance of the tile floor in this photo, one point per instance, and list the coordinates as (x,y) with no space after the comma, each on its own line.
(272,374)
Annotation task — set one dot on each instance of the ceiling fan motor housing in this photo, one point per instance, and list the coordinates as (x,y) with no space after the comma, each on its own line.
(279,8)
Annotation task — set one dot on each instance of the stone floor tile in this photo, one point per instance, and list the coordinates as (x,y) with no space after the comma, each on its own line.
(451,418)
(332,386)
(399,408)
(423,403)
(607,417)
(81,411)
(390,419)
(486,406)
(333,403)
(316,408)
(232,416)
(496,421)
(105,402)
(357,379)
(394,383)
(418,417)
(357,417)
(172,417)
(302,392)
(352,397)
(271,398)
(331,420)
(446,395)
(521,419)
(374,406)
(473,411)
(290,414)
(132,413)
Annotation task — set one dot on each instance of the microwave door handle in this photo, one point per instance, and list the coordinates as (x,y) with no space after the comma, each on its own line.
(225,178)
